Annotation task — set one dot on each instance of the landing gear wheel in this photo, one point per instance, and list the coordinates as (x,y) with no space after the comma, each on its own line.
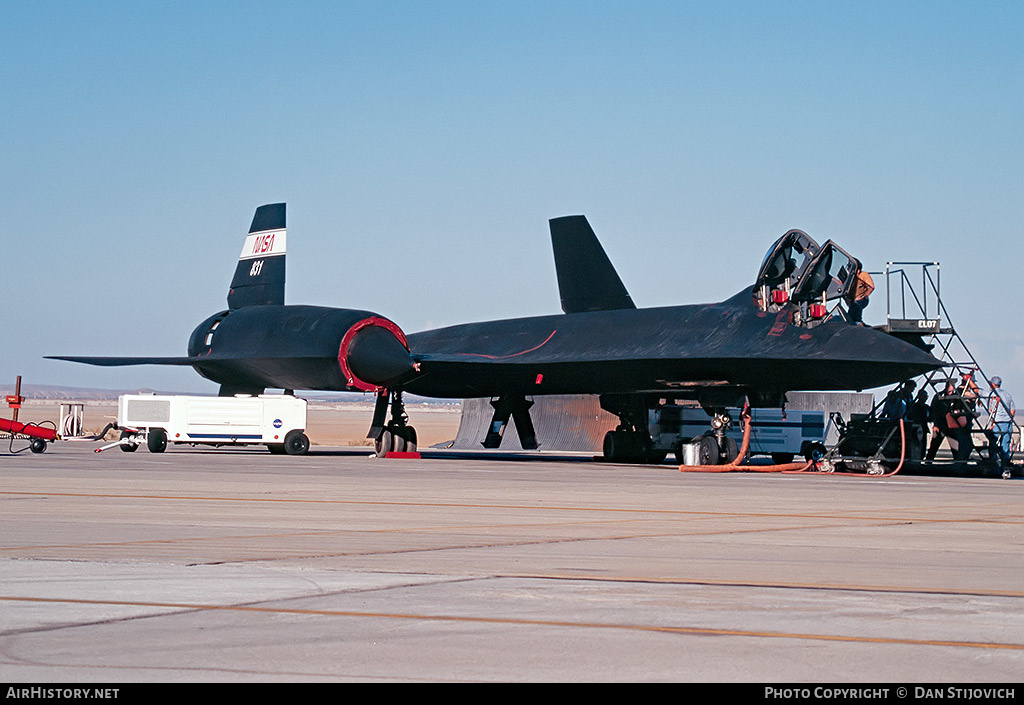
(630,447)
(621,447)
(296,443)
(708,453)
(653,456)
(156,440)
(393,435)
(37,445)
(410,439)
(730,450)
(609,447)
(398,445)
(128,447)
(382,446)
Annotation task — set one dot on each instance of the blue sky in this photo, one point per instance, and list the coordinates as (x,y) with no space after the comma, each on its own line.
(422,146)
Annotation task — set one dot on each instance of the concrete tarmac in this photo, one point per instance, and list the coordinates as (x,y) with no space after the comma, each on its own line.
(237,565)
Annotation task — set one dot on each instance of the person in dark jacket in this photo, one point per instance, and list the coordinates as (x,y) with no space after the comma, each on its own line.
(951,419)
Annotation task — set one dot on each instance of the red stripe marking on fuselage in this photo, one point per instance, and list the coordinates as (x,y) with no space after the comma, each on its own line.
(521,352)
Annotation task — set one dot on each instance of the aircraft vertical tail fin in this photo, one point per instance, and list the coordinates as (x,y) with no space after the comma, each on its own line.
(259,276)
(587,281)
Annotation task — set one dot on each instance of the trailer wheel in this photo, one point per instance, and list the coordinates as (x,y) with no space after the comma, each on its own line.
(156,440)
(128,447)
(37,445)
(814,451)
(296,443)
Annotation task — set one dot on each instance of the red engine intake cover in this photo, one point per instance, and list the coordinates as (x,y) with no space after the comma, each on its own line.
(386,357)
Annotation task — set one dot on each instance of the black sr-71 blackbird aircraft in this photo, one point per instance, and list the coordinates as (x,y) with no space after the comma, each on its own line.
(775,336)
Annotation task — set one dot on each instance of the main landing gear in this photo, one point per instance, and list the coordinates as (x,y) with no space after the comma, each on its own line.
(648,430)
(631,445)
(396,436)
(631,440)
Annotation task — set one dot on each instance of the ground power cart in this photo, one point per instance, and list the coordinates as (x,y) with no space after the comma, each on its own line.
(277,421)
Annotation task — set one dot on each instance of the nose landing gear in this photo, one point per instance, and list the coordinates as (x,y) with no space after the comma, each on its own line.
(726,446)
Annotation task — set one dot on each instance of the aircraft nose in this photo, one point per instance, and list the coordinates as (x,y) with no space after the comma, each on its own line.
(907,352)
(902,359)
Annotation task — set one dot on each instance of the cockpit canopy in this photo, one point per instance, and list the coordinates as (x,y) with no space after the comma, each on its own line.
(780,266)
(829,275)
(806,271)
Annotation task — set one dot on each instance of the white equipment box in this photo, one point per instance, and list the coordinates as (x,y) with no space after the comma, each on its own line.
(275,420)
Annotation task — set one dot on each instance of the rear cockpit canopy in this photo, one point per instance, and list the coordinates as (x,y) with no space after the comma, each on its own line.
(828,276)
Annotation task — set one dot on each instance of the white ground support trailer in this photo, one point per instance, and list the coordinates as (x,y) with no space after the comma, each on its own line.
(780,434)
(275,420)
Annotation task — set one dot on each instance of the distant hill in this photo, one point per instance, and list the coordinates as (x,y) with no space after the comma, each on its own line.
(49,391)
(59,393)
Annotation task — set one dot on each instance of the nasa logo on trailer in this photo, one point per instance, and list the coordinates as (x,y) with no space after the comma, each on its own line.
(277,423)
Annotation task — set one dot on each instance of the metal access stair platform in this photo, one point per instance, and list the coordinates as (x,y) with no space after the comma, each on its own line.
(915,309)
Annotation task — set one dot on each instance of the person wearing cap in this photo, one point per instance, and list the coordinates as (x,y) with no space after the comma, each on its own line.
(1000,410)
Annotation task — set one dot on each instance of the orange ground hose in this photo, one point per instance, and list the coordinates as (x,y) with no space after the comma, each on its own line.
(784,467)
(736,463)
(903,453)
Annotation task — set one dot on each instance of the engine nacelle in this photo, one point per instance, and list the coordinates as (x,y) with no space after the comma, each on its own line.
(301,347)
(373,353)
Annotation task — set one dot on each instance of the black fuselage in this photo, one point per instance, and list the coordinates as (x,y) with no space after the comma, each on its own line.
(656,350)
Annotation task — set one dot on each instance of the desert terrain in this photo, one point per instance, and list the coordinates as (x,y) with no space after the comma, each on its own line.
(329,423)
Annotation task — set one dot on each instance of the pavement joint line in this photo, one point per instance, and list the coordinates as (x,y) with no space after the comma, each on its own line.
(421,530)
(421,549)
(654,580)
(694,631)
(1011,519)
